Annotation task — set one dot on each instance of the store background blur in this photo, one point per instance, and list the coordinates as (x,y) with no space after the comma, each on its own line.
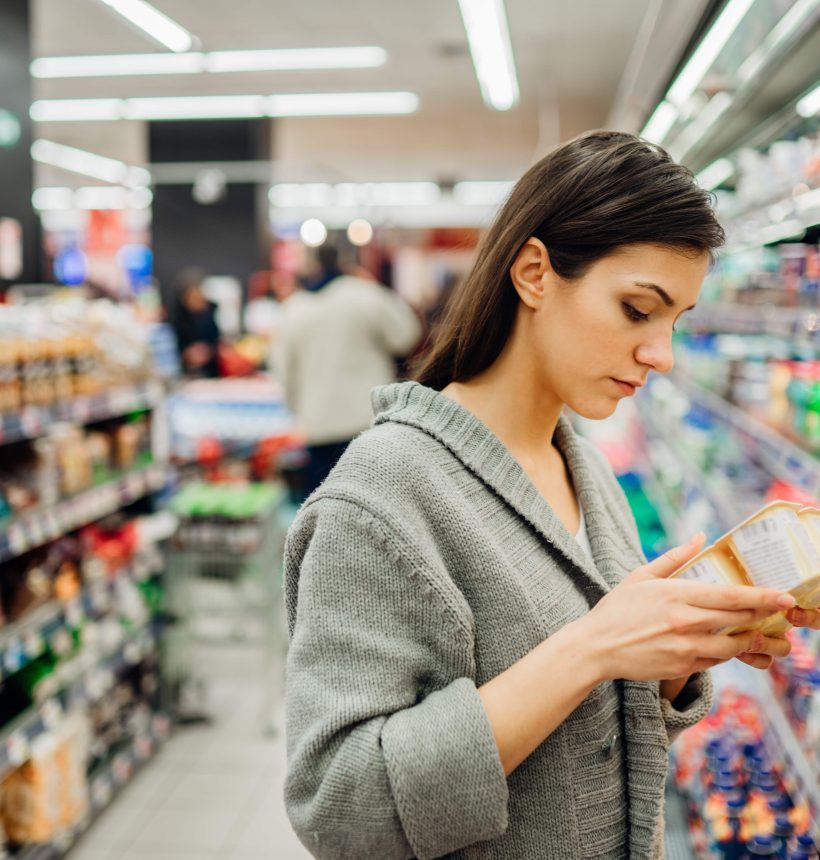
(211,216)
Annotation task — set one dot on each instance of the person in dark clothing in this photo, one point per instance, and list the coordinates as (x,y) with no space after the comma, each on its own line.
(328,258)
(196,326)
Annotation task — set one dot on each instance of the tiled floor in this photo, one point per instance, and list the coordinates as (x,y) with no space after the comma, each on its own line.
(214,792)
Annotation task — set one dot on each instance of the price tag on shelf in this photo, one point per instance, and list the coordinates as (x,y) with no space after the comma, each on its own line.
(143,747)
(17,749)
(122,767)
(17,538)
(132,653)
(14,656)
(101,791)
(31,421)
(34,644)
(51,712)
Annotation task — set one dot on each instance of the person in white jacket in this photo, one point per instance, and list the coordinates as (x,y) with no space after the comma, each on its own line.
(333,350)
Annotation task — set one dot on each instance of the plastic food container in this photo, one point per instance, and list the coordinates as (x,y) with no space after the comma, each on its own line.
(778,547)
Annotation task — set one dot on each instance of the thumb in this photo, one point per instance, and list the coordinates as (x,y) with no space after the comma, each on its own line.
(665,565)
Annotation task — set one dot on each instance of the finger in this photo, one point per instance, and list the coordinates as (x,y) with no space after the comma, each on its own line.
(773,646)
(666,564)
(733,597)
(714,620)
(757,661)
(722,647)
(804,617)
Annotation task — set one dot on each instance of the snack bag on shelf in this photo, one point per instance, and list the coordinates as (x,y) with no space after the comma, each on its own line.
(778,547)
(31,796)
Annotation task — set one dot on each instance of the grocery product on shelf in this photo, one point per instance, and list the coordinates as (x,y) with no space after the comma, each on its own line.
(743,800)
(54,350)
(69,459)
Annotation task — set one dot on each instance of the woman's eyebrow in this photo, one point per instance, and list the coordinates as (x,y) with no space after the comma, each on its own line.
(667,299)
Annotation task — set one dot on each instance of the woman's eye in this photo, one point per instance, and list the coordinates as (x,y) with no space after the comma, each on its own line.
(633,313)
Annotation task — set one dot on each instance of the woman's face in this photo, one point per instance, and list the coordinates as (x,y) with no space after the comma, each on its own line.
(597,338)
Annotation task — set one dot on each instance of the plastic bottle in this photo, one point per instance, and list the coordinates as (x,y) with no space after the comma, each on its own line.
(763,846)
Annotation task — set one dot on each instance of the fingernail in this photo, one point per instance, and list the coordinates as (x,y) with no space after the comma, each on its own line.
(786,601)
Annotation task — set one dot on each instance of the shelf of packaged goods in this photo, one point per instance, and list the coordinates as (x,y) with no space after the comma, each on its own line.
(34,528)
(86,677)
(696,480)
(801,774)
(796,214)
(802,324)
(33,421)
(28,638)
(779,456)
(104,786)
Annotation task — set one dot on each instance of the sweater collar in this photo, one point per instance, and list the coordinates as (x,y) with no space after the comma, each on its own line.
(487,457)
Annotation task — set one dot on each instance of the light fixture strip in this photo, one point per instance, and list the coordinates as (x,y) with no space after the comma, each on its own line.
(88,163)
(716,173)
(707,51)
(660,123)
(485,22)
(153,22)
(809,105)
(291,59)
(215,107)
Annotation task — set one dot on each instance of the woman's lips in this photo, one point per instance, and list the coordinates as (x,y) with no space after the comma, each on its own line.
(625,387)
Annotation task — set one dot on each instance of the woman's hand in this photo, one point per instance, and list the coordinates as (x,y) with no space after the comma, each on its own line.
(651,627)
(804,617)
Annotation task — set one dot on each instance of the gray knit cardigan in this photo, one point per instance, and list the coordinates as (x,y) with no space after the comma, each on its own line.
(425,565)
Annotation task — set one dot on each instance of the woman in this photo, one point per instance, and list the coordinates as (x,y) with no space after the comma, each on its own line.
(196,326)
(482,665)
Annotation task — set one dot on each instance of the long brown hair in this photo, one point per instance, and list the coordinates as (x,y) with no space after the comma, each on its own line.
(588,197)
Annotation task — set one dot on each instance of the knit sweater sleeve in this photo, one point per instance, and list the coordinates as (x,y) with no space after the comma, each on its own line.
(390,752)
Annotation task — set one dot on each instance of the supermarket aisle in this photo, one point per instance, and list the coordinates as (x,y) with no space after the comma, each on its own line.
(214,792)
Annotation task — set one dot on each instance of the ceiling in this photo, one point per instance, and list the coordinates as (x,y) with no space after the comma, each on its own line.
(581,65)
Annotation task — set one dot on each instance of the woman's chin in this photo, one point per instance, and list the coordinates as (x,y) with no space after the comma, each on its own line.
(597,409)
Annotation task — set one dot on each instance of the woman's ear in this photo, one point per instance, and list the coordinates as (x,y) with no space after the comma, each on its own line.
(528,272)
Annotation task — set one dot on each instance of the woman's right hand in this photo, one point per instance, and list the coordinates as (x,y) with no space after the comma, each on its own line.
(651,627)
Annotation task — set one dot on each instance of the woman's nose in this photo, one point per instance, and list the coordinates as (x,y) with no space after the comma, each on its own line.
(656,354)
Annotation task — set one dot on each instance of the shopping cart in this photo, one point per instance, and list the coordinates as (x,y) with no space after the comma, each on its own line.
(224,588)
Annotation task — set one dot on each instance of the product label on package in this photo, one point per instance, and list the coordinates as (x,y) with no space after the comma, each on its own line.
(769,547)
(705,570)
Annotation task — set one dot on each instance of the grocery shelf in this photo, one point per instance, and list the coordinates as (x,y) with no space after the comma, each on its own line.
(35,528)
(86,677)
(27,638)
(781,457)
(33,421)
(105,785)
(805,779)
(734,318)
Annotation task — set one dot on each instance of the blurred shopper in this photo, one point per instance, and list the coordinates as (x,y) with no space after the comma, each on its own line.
(327,258)
(482,664)
(196,326)
(336,345)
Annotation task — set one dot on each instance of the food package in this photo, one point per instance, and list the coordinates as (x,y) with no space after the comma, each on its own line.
(778,547)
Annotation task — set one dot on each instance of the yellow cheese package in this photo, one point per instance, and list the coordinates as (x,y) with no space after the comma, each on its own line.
(778,547)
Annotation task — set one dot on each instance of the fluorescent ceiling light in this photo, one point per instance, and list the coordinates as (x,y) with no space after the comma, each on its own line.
(659,124)
(215,107)
(489,36)
(482,192)
(154,23)
(295,58)
(809,105)
(707,51)
(195,107)
(786,27)
(88,163)
(217,61)
(118,64)
(67,110)
(290,194)
(342,104)
(91,197)
(716,173)
(696,130)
